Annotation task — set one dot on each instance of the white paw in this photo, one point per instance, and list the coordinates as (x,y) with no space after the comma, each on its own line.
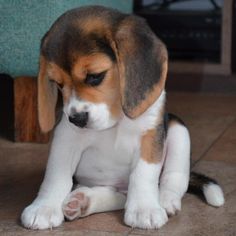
(38,216)
(170,201)
(76,205)
(146,217)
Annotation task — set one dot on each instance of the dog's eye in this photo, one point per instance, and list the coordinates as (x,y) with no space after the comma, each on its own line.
(95,79)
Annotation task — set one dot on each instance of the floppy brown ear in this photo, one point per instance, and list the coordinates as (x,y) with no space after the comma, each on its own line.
(47,98)
(142,60)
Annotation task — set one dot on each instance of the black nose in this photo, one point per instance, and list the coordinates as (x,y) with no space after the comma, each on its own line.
(79,119)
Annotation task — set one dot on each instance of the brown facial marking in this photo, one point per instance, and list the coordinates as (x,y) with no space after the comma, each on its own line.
(107,92)
(91,64)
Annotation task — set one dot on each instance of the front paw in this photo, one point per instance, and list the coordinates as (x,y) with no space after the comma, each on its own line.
(145,217)
(170,201)
(38,216)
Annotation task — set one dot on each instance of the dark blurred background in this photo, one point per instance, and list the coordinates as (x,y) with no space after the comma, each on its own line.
(200,36)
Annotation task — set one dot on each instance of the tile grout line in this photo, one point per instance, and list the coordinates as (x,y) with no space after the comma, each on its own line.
(213,143)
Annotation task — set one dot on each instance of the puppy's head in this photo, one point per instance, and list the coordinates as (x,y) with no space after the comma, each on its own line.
(105,64)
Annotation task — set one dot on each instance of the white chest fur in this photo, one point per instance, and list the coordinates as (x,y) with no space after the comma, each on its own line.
(111,153)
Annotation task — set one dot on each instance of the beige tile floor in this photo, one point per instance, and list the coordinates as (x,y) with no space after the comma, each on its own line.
(212,122)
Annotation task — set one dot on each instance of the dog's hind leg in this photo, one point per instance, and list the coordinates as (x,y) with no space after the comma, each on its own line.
(84,201)
(175,177)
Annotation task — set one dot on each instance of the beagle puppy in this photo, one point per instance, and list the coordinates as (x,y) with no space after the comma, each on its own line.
(114,137)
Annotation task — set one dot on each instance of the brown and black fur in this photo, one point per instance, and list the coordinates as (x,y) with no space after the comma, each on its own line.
(141,57)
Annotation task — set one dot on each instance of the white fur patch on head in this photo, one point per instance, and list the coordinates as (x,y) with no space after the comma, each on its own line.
(214,194)
(99,115)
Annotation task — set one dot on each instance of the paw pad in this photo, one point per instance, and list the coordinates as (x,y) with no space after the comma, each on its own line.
(75,205)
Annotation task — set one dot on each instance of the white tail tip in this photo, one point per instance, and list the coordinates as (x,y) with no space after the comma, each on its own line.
(213,194)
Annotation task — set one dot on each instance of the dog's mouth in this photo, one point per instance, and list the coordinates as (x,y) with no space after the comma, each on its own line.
(96,118)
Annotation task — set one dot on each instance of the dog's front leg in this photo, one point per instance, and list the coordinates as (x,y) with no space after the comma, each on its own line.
(142,207)
(46,210)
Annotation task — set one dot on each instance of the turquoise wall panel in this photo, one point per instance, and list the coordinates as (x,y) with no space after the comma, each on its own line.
(24,22)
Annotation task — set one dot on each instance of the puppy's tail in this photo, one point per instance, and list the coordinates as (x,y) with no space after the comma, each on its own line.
(206,187)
